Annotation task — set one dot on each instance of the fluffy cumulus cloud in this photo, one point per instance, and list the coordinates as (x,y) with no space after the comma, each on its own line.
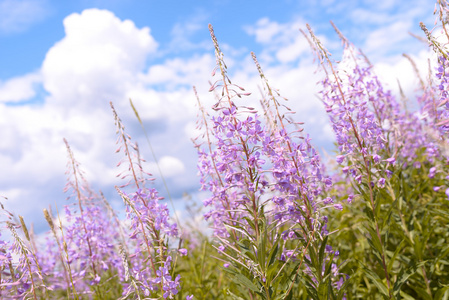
(99,60)
(102,58)
(19,88)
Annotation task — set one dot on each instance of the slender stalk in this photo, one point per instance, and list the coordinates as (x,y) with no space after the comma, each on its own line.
(78,194)
(224,202)
(293,158)
(13,276)
(225,81)
(64,247)
(33,253)
(25,252)
(142,226)
(116,219)
(365,159)
(49,220)
(299,267)
(156,161)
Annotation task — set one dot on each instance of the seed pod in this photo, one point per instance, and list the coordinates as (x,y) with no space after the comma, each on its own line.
(49,219)
(24,228)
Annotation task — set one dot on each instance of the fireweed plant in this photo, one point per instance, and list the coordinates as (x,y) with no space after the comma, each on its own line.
(397,163)
(91,254)
(370,223)
(150,266)
(268,196)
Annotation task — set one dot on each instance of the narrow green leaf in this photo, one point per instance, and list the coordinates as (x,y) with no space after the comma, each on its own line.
(442,293)
(240,279)
(406,296)
(395,254)
(322,249)
(381,286)
(261,250)
(233,296)
(403,276)
(246,282)
(374,241)
(273,252)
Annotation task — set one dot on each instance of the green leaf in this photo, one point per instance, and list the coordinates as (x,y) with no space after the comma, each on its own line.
(287,278)
(422,292)
(395,254)
(261,250)
(323,289)
(374,242)
(381,286)
(273,269)
(250,223)
(403,276)
(443,254)
(233,296)
(273,252)
(418,246)
(322,249)
(328,269)
(309,285)
(246,282)
(442,293)
(406,296)
(240,279)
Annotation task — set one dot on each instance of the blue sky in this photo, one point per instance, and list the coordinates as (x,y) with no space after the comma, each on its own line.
(61,62)
(38,24)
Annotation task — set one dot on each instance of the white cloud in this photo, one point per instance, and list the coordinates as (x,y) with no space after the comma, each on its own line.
(370,16)
(402,71)
(171,166)
(387,38)
(102,59)
(283,42)
(274,35)
(19,15)
(19,88)
(179,71)
(97,59)
(265,30)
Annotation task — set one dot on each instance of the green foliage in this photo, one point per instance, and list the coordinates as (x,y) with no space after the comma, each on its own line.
(202,274)
(414,228)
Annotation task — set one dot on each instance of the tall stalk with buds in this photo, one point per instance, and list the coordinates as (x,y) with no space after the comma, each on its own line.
(150,272)
(267,197)
(380,146)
